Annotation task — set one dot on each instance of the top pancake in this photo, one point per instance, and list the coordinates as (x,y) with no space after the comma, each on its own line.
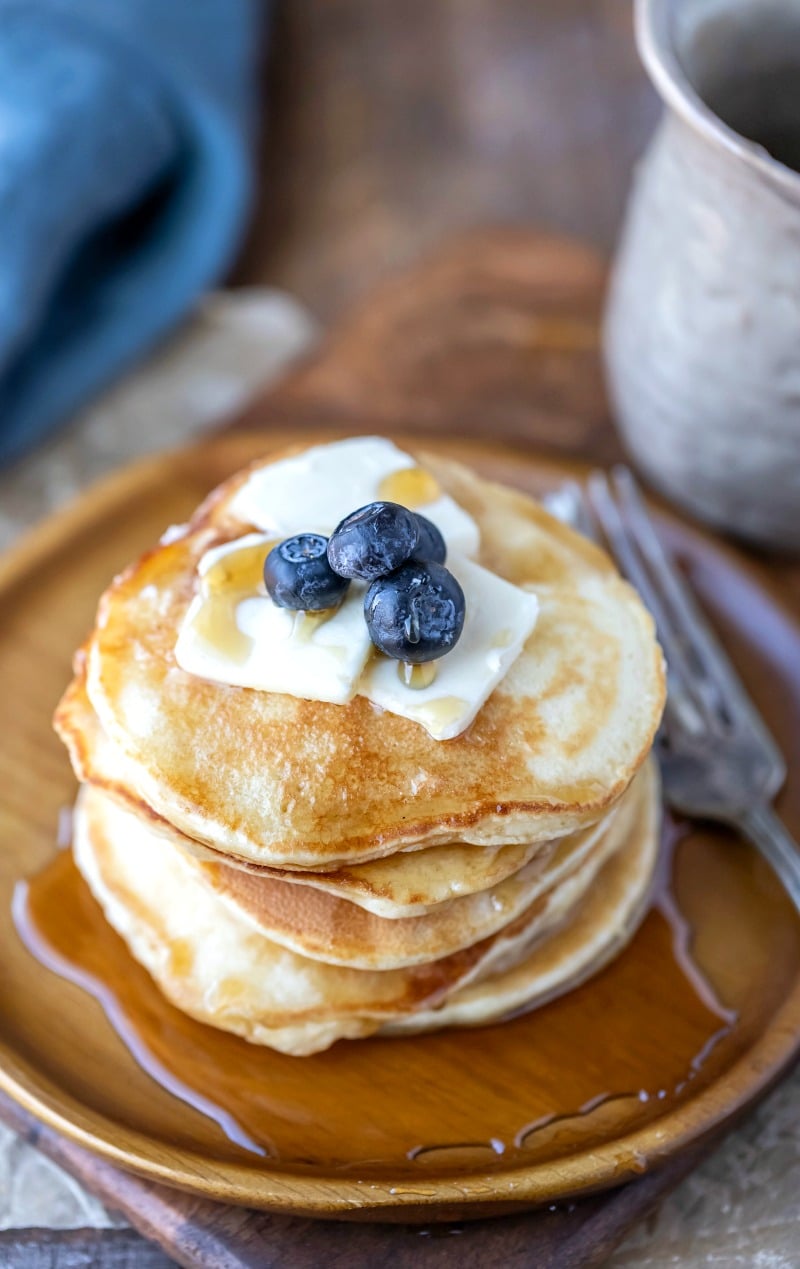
(304,784)
(406,884)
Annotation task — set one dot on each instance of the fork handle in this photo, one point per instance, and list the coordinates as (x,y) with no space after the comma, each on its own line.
(761,825)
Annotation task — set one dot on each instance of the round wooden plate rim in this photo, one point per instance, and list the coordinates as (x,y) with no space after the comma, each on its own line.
(290,1188)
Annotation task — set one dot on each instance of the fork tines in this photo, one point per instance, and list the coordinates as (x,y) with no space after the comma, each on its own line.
(705,691)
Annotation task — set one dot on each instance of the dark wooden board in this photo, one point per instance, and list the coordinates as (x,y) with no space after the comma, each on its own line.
(495,336)
(196,1232)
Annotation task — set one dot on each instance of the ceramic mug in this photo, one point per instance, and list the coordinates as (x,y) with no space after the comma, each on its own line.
(702,325)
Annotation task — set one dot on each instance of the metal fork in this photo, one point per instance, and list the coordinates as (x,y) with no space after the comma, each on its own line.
(718,760)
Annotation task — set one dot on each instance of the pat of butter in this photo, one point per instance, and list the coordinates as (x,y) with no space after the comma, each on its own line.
(239,637)
(499,619)
(233,633)
(242,638)
(315,490)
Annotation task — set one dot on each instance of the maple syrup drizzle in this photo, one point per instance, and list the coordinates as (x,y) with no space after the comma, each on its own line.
(216,623)
(416,676)
(238,1085)
(421,1154)
(306,624)
(546,1121)
(238,572)
(235,576)
(127,1030)
(664,903)
(441,711)
(412,487)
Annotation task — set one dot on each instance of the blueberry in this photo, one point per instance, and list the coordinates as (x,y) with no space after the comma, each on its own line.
(416,614)
(431,545)
(297,574)
(373,541)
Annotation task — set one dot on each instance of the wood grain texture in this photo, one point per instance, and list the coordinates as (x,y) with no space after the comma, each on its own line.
(494,335)
(477,1086)
(79,1249)
(196,1232)
(514,278)
(389,126)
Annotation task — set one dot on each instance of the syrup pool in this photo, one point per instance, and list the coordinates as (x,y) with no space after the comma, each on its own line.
(606,1057)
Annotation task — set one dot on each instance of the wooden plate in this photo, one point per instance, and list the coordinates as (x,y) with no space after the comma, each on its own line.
(582,1094)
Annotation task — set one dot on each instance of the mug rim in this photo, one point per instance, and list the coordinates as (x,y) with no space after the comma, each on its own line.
(653,21)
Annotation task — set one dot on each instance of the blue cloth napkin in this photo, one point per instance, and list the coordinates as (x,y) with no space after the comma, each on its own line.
(125,179)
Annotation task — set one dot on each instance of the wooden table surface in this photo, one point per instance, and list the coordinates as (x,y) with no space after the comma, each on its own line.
(390,125)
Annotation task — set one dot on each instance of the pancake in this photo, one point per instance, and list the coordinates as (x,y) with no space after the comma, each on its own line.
(411,882)
(605,920)
(214,965)
(326,928)
(290,783)
(406,884)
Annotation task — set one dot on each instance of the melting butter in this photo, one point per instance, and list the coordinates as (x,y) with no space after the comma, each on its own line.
(499,619)
(503,638)
(442,713)
(233,633)
(313,491)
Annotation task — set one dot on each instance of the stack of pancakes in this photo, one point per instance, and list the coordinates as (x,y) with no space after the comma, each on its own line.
(297,871)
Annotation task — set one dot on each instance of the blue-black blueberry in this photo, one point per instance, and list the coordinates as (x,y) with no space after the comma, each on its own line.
(431,545)
(417,613)
(373,541)
(297,574)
